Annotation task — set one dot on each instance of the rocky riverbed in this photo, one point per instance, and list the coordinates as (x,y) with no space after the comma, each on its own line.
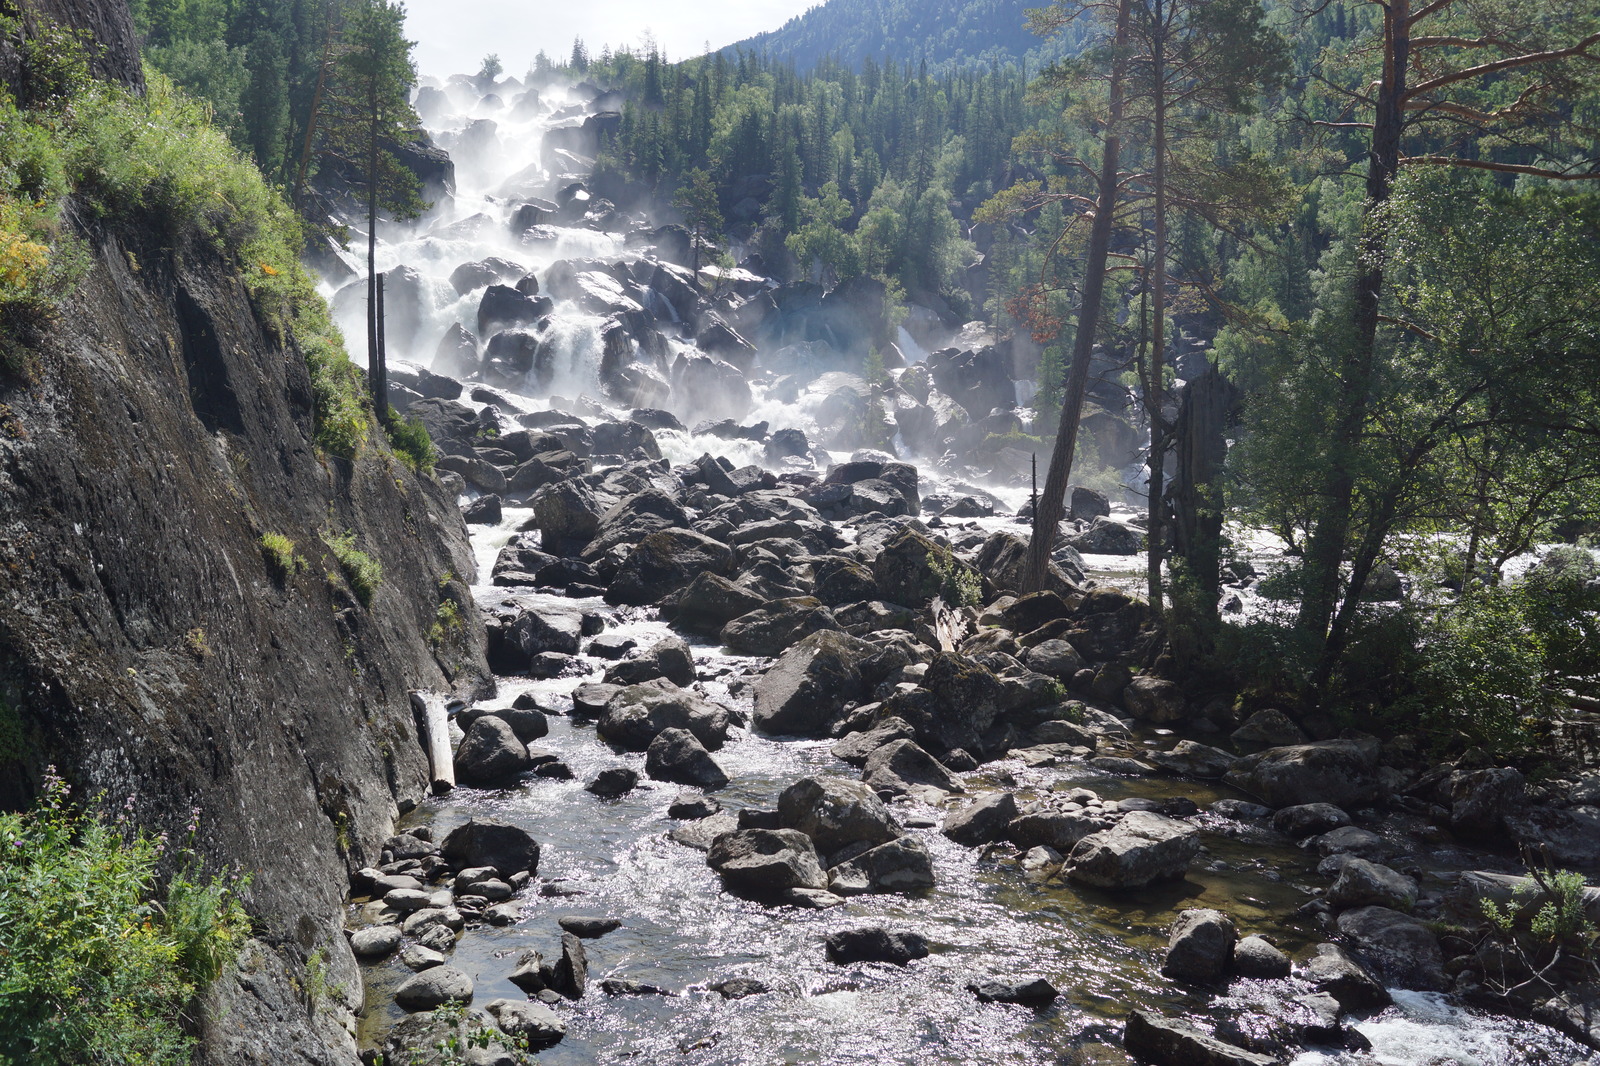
(780,767)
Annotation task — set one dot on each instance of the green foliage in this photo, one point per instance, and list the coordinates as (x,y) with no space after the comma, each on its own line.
(959,585)
(362,571)
(411,443)
(96,964)
(281,555)
(447,625)
(1559,919)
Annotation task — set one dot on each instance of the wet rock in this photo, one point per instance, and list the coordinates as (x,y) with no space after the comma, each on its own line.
(1106,536)
(589,700)
(426,1039)
(1269,728)
(959,701)
(1175,1042)
(625,986)
(808,687)
(902,766)
(570,976)
(1331,969)
(675,755)
(1309,819)
(588,928)
(530,975)
(902,865)
(415,957)
(778,625)
(1566,837)
(375,942)
(856,747)
(664,562)
(1349,840)
(740,987)
(612,782)
(1480,800)
(1003,560)
(1057,829)
(1140,850)
(434,987)
(676,661)
(1054,658)
(1191,759)
(1027,991)
(517,635)
(875,944)
(1200,946)
(984,821)
(1151,699)
(534,1023)
(690,806)
(567,514)
(1401,949)
(635,715)
(1362,883)
(913,569)
(490,756)
(766,860)
(407,901)
(835,812)
(1575,1013)
(491,842)
(457,354)
(1087,504)
(701,833)
(1332,771)
(1255,956)
(710,602)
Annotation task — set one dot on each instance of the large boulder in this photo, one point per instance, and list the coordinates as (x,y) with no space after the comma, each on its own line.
(1200,946)
(901,865)
(1151,699)
(1365,884)
(982,822)
(530,1022)
(835,812)
(901,766)
(875,944)
(1401,949)
(1480,800)
(434,987)
(1331,969)
(490,755)
(1151,1038)
(675,755)
(567,515)
(767,860)
(636,715)
(1341,772)
(1140,850)
(1269,728)
(494,843)
(1106,536)
(777,625)
(959,701)
(710,602)
(913,569)
(807,688)
(664,562)
(1189,758)
(518,635)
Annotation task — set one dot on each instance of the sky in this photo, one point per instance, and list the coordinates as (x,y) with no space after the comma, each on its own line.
(453,36)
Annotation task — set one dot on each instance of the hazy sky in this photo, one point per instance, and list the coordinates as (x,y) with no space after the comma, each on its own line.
(453,36)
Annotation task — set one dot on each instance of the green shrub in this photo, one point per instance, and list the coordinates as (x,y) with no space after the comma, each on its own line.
(410,440)
(96,966)
(362,571)
(280,554)
(447,624)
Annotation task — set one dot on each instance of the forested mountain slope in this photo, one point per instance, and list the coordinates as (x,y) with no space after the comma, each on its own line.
(942,32)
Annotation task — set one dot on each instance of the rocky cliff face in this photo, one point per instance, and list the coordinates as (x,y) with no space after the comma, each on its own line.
(149,645)
(106,25)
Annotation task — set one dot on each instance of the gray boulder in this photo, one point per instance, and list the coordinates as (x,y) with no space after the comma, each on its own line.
(1200,946)
(875,944)
(491,842)
(664,562)
(766,860)
(902,865)
(835,813)
(528,1021)
(1401,949)
(1191,759)
(1331,969)
(675,755)
(1055,658)
(902,765)
(983,822)
(375,942)
(807,688)
(1142,849)
(490,755)
(1362,884)
(1332,771)
(777,625)
(1269,728)
(1151,699)
(1481,799)
(856,747)
(1027,991)
(635,715)
(1256,956)
(1309,819)
(1174,1042)
(434,987)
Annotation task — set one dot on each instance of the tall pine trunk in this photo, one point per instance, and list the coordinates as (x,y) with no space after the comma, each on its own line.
(1155,396)
(1052,503)
(1326,548)
(377,372)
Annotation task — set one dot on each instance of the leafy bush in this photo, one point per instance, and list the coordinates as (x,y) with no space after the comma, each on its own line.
(447,624)
(363,572)
(95,965)
(410,440)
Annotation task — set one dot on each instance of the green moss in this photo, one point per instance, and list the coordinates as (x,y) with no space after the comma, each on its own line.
(411,443)
(281,556)
(362,571)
